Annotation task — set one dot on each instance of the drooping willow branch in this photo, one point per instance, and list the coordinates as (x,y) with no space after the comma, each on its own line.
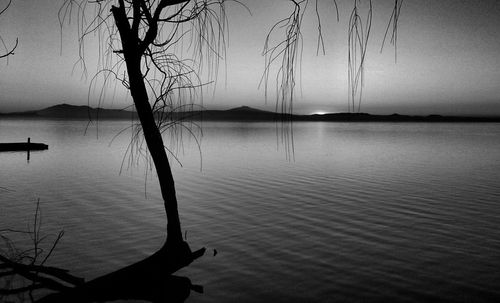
(8,51)
(286,54)
(283,58)
(357,39)
(393,26)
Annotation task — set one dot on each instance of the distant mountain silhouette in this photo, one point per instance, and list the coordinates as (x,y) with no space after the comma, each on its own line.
(83,112)
(242,113)
(245,108)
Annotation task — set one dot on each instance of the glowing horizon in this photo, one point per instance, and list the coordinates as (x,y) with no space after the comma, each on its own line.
(447,61)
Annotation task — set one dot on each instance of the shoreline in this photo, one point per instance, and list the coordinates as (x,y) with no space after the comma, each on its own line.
(239,114)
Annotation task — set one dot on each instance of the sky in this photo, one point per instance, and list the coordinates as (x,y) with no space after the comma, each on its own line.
(448,59)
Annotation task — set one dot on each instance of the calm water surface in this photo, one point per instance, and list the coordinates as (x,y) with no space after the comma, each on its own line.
(368,211)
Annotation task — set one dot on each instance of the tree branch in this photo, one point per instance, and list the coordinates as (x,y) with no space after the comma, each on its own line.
(31,272)
(11,52)
(137,18)
(153,26)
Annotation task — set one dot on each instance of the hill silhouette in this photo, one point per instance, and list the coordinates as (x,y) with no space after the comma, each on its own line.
(242,113)
(83,112)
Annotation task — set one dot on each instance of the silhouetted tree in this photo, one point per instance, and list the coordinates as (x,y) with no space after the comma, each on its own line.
(160,50)
(139,36)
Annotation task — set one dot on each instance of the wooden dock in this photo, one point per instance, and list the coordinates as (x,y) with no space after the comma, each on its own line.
(22,146)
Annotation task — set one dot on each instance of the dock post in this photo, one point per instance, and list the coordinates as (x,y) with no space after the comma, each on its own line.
(28,150)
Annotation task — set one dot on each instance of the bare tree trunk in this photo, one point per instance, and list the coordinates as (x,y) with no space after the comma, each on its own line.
(151,132)
(150,278)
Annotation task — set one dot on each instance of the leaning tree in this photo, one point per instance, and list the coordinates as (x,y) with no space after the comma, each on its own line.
(164,52)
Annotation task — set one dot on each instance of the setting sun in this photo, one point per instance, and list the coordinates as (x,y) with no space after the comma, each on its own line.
(319,113)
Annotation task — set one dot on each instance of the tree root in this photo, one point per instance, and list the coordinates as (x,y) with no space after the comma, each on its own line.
(24,274)
(150,279)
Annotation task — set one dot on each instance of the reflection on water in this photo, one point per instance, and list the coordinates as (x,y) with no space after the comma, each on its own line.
(367,211)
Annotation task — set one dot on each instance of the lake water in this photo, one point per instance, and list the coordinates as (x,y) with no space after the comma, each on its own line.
(360,211)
